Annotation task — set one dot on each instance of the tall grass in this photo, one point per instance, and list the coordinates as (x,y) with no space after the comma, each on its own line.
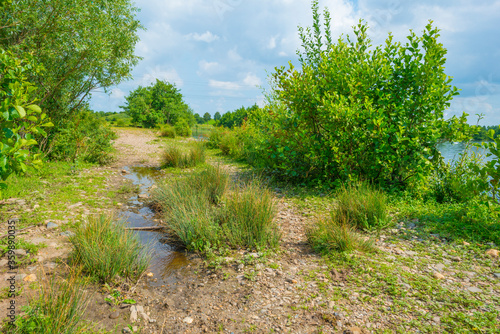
(174,157)
(105,249)
(58,308)
(330,235)
(201,212)
(361,206)
(167,130)
(247,218)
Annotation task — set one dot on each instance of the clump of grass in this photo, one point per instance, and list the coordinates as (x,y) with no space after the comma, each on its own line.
(173,157)
(248,218)
(361,206)
(167,130)
(58,308)
(330,235)
(202,215)
(105,249)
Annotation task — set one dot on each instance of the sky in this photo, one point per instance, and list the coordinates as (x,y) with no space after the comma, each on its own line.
(220,53)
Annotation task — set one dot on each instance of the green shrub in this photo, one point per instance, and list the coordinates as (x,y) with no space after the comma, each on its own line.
(167,130)
(173,157)
(361,206)
(105,249)
(58,308)
(84,137)
(332,235)
(182,128)
(248,218)
(121,123)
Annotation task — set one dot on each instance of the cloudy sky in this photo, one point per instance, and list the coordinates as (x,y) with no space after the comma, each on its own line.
(220,52)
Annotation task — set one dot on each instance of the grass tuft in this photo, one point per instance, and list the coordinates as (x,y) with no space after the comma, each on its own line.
(105,249)
(173,157)
(167,130)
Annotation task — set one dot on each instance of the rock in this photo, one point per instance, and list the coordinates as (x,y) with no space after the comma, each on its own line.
(456,258)
(474,289)
(331,304)
(188,320)
(465,243)
(254,255)
(150,274)
(353,330)
(125,172)
(438,275)
(436,320)
(114,315)
(398,251)
(30,278)
(51,225)
(4,262)
(126,330)
(493,253)
(68,234)
(290,280)
(241,266)
(18,277)
(411,253)
(497,275)
(143,196)
(20,252)
(152,320)
(133,314)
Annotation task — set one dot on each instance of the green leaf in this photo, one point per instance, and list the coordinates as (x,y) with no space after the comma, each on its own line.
(34,108)
(21,111)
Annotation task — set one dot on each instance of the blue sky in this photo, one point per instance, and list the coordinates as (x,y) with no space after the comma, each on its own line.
(220,52)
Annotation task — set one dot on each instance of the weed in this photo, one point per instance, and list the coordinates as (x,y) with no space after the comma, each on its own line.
(174,157)
(106,249)
(167,130)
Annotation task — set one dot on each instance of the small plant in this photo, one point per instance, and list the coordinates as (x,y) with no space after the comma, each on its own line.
(173,157)
(182,128)
(361,206)
(106,249)
(117,299)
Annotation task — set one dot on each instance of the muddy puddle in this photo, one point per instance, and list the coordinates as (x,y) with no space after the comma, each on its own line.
(167,264)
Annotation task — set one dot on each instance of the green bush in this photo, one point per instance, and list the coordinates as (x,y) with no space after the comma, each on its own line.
(106,249)
(167,130)
(174,157)
(121,123)
(354,111)
(84,137)
(182,128)
(361,206)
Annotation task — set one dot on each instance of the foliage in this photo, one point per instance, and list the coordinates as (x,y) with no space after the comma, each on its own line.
(159,103)
(106,249)
(182,128)
(361,206)
(167,130)
(206,117)
(58,309)
(354,111)
(174,157)
(217,116)
(83,138)
(239,143)
(235,118)
(20,119)
(483,133)
(82,46)
(491,170)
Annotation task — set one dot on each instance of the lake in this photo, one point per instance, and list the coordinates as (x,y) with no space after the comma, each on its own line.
(451,151)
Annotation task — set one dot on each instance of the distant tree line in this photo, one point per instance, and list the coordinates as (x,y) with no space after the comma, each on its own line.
(482,134)
(235,118)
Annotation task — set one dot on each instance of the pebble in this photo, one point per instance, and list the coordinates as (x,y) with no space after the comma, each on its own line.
(30,278)
(497,275)
(474,289)
(438,275)
(291,280)
(133,313)
(4,262)
(439,267)
(67,234)
(456,258)
(493,253)
(188,320)
(126,330)
(20,252)
(142,196)
(51,225)
(437,320)
(114,315)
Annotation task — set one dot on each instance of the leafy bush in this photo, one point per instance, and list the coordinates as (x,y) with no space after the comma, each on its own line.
(491,169)
(173,157)
(167,130)
(182,128)
(84,137)
(333,235)
(357,111)
(361,206)
(105,249)
(248,218)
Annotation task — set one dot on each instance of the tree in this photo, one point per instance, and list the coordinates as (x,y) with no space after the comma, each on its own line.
(160,103)
(217,116)
(353,111)
(206,117)
(20,118)
(83,45)
(198,119)
(237,117)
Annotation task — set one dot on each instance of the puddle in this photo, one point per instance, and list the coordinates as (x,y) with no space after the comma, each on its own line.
(166,262)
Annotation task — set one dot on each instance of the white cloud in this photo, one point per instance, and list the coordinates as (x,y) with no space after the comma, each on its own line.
(233,55)
(170,76)
(227,85)
(272,43)
(117,93)
(252,80)
(210,67)
(206,37)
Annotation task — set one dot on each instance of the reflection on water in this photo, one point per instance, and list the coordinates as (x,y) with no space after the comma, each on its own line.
(165,261)
(451,151)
